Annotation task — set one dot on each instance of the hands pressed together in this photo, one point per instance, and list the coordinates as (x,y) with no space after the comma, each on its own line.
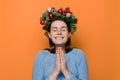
(60,65)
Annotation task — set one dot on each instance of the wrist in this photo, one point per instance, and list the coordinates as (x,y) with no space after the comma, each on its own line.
(56,72)
(54,75)
(66,74)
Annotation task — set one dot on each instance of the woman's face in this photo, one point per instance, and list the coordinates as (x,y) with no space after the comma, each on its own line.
(59,32)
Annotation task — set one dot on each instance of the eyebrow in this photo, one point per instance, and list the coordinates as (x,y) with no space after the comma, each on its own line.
(54,27)
(61,27)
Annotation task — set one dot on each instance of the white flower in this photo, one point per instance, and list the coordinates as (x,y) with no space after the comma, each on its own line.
(49,9)
(68,15)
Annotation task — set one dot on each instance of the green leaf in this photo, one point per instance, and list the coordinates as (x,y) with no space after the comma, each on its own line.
(73,17)
(72,27)
(55,13)
(47,18)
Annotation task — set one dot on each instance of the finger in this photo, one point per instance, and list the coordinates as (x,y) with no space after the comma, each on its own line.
(61,59)
(58,60)
(60,51)
(57,51)
(58,56)
(62,54)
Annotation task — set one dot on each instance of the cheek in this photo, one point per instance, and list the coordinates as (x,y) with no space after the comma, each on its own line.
(65,34)
(53,33)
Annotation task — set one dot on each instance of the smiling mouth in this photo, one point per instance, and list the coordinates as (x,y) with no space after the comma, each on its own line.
(59,38)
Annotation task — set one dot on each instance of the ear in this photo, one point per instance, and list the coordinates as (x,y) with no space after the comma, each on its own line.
(49,35)
(69,34)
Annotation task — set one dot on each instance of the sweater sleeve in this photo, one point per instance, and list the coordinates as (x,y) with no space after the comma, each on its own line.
(38,67)
(81,68)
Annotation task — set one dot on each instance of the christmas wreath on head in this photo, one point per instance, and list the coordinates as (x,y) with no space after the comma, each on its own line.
(65,14)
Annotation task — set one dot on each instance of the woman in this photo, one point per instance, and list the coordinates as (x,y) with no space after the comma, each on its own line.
(60,62)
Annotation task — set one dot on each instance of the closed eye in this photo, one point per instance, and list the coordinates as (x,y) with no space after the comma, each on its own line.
(54,30)
(63,29)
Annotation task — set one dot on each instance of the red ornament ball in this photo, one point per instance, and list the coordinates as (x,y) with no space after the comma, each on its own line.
(60,11)
(67,11)
(42,22)
(51,15)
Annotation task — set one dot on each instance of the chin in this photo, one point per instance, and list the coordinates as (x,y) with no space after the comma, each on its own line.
(59,43)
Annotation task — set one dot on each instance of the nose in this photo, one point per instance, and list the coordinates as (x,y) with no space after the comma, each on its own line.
(59,32)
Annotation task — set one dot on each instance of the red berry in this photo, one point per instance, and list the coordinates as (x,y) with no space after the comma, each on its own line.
(51,15)
(67,11)
(53,8)
(42,22)
(60,11)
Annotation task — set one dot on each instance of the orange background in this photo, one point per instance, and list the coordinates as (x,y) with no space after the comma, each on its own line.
(21,36)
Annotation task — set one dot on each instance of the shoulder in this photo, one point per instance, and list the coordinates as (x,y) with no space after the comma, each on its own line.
(78,51)
(80,56)
(41,54)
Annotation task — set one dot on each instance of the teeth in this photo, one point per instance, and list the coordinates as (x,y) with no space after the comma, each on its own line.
(58,37)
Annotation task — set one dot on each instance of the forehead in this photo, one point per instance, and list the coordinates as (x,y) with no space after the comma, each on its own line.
(58,24)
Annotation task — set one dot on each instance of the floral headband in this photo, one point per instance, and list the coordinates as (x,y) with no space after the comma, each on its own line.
(61,13)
